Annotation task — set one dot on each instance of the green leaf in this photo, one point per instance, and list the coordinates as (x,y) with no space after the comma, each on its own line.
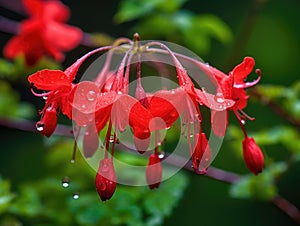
(261,187)
(6,196)
(133,9)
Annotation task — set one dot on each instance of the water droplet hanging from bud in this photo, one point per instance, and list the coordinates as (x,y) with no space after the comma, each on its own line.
(65,182)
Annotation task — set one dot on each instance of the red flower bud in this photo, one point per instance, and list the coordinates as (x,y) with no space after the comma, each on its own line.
(48,122)
(90,141)
(106,179)
(154,171)
(253,156)
(201,156)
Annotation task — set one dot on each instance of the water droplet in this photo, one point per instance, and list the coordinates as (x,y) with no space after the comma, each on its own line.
(91,95)
(83,106)
(191,135)
(111,139)
(65,182)
(45,97)
(105,168)
(173,92)
(219,98)
(120,93)
(72,161)
(161,155)
(40,126)
(243,121)
(76,196)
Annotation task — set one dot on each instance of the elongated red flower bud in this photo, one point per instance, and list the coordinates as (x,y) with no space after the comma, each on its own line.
(90,141)
(154,171)
(201,156)
(253,156)
(106,179)
(47,124)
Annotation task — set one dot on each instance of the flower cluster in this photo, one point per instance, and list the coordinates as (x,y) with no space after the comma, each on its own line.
(43,33)
(105,103)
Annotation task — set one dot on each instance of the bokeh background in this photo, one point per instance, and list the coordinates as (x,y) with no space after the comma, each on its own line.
(221,33)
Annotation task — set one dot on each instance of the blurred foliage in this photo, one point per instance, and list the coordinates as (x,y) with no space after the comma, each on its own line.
(10,105)
(274,44)
(164,19)
(47,202)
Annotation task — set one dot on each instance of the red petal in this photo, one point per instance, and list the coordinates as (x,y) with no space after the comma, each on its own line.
(55,10)
(33,7)
(90,141)
(214,102)
(165,105)
(105,181)
(219,122)
(61,36)
(48,122)
(241,71)
(253,156)
(154,171)
(49,79)
(201,156)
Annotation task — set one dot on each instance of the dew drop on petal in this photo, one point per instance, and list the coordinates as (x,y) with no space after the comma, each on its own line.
(76,196)
(243,121)
(91,95)
(161,155)
(65,182)
(40,126)
(219,98)
(111,139)
(120,93)
(45,97)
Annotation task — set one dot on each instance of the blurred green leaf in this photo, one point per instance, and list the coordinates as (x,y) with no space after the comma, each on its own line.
(261,187)
(5,195)
(133,9)
(10,105)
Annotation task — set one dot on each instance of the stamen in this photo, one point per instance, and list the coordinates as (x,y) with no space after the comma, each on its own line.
(249,84)
(44,94)
(246,115)
(241,123)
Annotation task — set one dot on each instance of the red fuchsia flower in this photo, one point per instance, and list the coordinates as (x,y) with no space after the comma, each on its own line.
(44,33)
(106,179)
(253,156)
(105,102)
(154,171)
(233,87)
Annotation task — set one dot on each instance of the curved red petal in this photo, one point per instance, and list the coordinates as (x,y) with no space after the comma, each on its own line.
(49,79)
(241,71)
(61,36)
(219,122)
(90,141)
(154,171)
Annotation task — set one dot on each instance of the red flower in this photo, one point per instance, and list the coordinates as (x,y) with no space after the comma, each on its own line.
(154,171)
(44,33)
(106,179)
(253,156)
(201,156)
(232,87)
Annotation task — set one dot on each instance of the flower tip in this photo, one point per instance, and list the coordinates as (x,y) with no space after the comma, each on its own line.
(253,156)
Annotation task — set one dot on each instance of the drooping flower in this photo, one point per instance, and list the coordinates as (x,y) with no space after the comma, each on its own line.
(106,103)
(105,181)
(43,33)
(154,171)
(253,156)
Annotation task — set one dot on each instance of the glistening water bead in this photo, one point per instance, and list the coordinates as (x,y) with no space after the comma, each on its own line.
(76,196)
(65,182)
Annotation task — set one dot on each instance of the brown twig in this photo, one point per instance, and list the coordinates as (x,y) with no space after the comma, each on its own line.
(174,160)
(290,209)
